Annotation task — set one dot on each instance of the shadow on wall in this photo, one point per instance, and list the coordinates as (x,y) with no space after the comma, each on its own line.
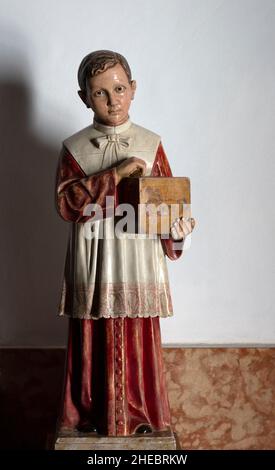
(33,240)
(30,394)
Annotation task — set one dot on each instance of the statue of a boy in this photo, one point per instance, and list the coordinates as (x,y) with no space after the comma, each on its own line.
(115,289)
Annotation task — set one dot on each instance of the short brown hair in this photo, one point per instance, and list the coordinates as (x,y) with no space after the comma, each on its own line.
(97,62)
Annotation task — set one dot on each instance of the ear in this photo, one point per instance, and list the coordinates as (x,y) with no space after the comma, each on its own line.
(83,97)
(134,87)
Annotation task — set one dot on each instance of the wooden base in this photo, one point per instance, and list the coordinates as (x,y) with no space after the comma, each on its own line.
(74,440)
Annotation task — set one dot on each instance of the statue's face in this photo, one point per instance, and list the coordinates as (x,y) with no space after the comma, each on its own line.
(110,95)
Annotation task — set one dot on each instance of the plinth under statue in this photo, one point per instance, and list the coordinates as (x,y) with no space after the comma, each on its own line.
(115,288)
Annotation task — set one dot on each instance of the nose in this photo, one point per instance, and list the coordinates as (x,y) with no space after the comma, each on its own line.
(111,99)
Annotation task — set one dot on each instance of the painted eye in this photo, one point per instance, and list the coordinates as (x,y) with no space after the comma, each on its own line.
(99,93)
(120,89)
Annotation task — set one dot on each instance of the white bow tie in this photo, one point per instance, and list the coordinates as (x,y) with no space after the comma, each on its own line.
(102,141)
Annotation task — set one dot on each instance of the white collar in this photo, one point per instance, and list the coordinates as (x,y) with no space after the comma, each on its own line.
(112,129)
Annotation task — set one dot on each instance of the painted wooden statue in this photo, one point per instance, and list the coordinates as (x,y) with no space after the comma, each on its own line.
(115,289)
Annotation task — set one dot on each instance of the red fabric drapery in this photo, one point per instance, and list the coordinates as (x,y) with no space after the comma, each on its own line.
(114,377)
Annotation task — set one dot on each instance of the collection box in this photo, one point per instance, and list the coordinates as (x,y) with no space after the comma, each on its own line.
(157,201)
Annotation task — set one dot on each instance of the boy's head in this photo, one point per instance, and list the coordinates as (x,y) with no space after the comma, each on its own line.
(106,86)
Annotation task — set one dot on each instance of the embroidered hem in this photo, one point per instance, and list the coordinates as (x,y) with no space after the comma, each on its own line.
(123,315)
(116,300)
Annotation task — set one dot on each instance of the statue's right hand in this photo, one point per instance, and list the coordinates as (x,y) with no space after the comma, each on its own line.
(129,166)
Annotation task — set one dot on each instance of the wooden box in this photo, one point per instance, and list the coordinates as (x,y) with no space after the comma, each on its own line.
(157,201)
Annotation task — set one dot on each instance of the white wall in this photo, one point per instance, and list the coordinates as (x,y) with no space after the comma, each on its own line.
(205,73)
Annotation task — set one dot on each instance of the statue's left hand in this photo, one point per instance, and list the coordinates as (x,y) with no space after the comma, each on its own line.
(181,227)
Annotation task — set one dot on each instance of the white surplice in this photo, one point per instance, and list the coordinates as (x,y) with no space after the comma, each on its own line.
(113,276)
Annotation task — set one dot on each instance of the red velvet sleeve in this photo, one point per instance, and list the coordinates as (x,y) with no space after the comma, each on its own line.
(161,167)
(74,189)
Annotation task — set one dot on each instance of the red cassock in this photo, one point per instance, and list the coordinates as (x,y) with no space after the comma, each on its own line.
(114,371)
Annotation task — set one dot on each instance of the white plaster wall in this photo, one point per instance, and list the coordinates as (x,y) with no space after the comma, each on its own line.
(205,73)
